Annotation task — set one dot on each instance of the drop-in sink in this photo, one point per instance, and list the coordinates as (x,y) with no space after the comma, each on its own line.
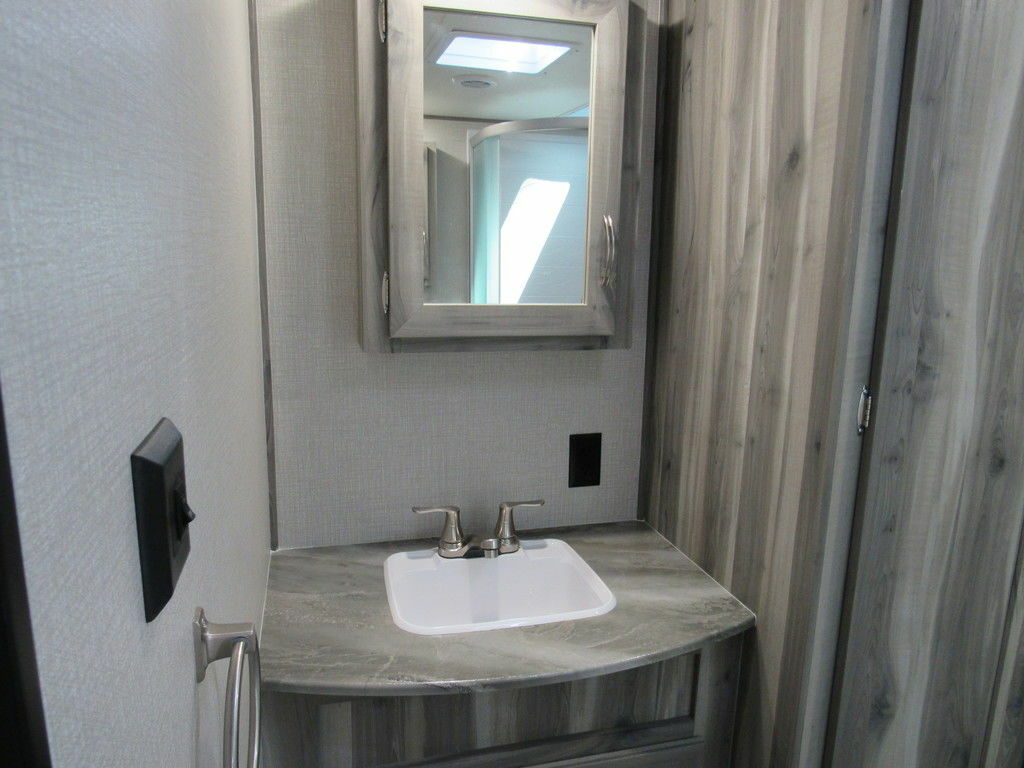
(545,581)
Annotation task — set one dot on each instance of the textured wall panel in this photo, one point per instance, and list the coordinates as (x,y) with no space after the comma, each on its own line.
(128,291)
(360,437)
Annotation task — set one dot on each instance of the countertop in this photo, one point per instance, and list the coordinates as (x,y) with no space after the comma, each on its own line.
(327,628)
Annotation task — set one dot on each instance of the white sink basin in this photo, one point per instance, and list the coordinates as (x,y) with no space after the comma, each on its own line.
(544,581)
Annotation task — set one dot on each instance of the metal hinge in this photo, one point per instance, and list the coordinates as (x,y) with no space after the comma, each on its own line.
(382,20)
(864,411)
(385,292)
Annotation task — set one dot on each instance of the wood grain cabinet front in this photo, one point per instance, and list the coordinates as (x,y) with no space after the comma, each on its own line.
(677,712)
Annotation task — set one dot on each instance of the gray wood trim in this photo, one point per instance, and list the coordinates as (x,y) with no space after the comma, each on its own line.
(290,736)
(441,321)
(372,117)
(1006,724)
(485,344)
(409,316)
(930,658)
(611,747)
(718,679)
(676,754)
(261,241)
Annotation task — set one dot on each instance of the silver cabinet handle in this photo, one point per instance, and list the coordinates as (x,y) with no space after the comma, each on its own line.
(608,267)
(234,641)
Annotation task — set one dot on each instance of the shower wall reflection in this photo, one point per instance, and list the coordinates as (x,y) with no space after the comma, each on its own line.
(506,104)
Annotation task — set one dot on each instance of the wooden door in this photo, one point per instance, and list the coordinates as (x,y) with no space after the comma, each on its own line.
(931,666)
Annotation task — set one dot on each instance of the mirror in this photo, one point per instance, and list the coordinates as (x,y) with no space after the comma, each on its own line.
(504,165)
(506,105)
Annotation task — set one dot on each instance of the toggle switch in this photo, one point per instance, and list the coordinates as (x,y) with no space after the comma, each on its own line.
(162,513)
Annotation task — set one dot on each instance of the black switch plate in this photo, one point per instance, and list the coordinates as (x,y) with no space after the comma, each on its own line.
(584,460)
(162,513)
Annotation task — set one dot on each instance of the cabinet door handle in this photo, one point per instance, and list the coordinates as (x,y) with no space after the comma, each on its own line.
(608,267)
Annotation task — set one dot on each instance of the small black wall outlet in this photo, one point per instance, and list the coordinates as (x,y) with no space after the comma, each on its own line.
(584,460)
(162,513)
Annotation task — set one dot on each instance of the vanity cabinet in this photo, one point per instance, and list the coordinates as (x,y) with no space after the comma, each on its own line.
(677,712)
(652,683)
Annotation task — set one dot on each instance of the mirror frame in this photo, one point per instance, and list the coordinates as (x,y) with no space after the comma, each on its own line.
(409,315)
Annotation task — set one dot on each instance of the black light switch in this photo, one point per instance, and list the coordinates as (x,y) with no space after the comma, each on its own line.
(162,514)
(584,460)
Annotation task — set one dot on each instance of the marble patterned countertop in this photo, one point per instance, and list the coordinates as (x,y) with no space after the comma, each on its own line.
(327,628)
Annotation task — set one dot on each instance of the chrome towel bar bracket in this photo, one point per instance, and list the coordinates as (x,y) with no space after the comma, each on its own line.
(235,642)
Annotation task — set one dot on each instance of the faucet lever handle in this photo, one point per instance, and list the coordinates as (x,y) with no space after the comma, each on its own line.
(514,504)
(452,539)
(505,530)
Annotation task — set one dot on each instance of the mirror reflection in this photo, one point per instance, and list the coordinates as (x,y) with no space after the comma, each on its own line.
(506,118)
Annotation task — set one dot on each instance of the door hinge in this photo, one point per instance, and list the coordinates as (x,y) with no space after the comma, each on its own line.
(385,292)
(864,411)
(382,20)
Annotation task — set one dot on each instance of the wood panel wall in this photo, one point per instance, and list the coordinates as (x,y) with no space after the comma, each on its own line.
(769,121)
(934,667)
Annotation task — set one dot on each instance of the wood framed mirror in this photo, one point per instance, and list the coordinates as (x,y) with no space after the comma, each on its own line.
(505,132)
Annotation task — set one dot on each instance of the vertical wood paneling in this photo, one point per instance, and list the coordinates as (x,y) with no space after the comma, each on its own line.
(932,675)
(766,134)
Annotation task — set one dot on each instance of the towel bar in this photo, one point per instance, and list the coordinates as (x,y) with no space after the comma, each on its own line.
(234,642)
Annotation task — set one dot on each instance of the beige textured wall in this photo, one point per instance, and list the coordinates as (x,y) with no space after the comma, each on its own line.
(128,291)
(360,437)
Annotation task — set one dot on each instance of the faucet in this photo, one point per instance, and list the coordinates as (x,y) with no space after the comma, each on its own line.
(454,543)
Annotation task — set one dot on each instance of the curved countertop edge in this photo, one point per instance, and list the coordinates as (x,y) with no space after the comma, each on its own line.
(425,688)
(310,680)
